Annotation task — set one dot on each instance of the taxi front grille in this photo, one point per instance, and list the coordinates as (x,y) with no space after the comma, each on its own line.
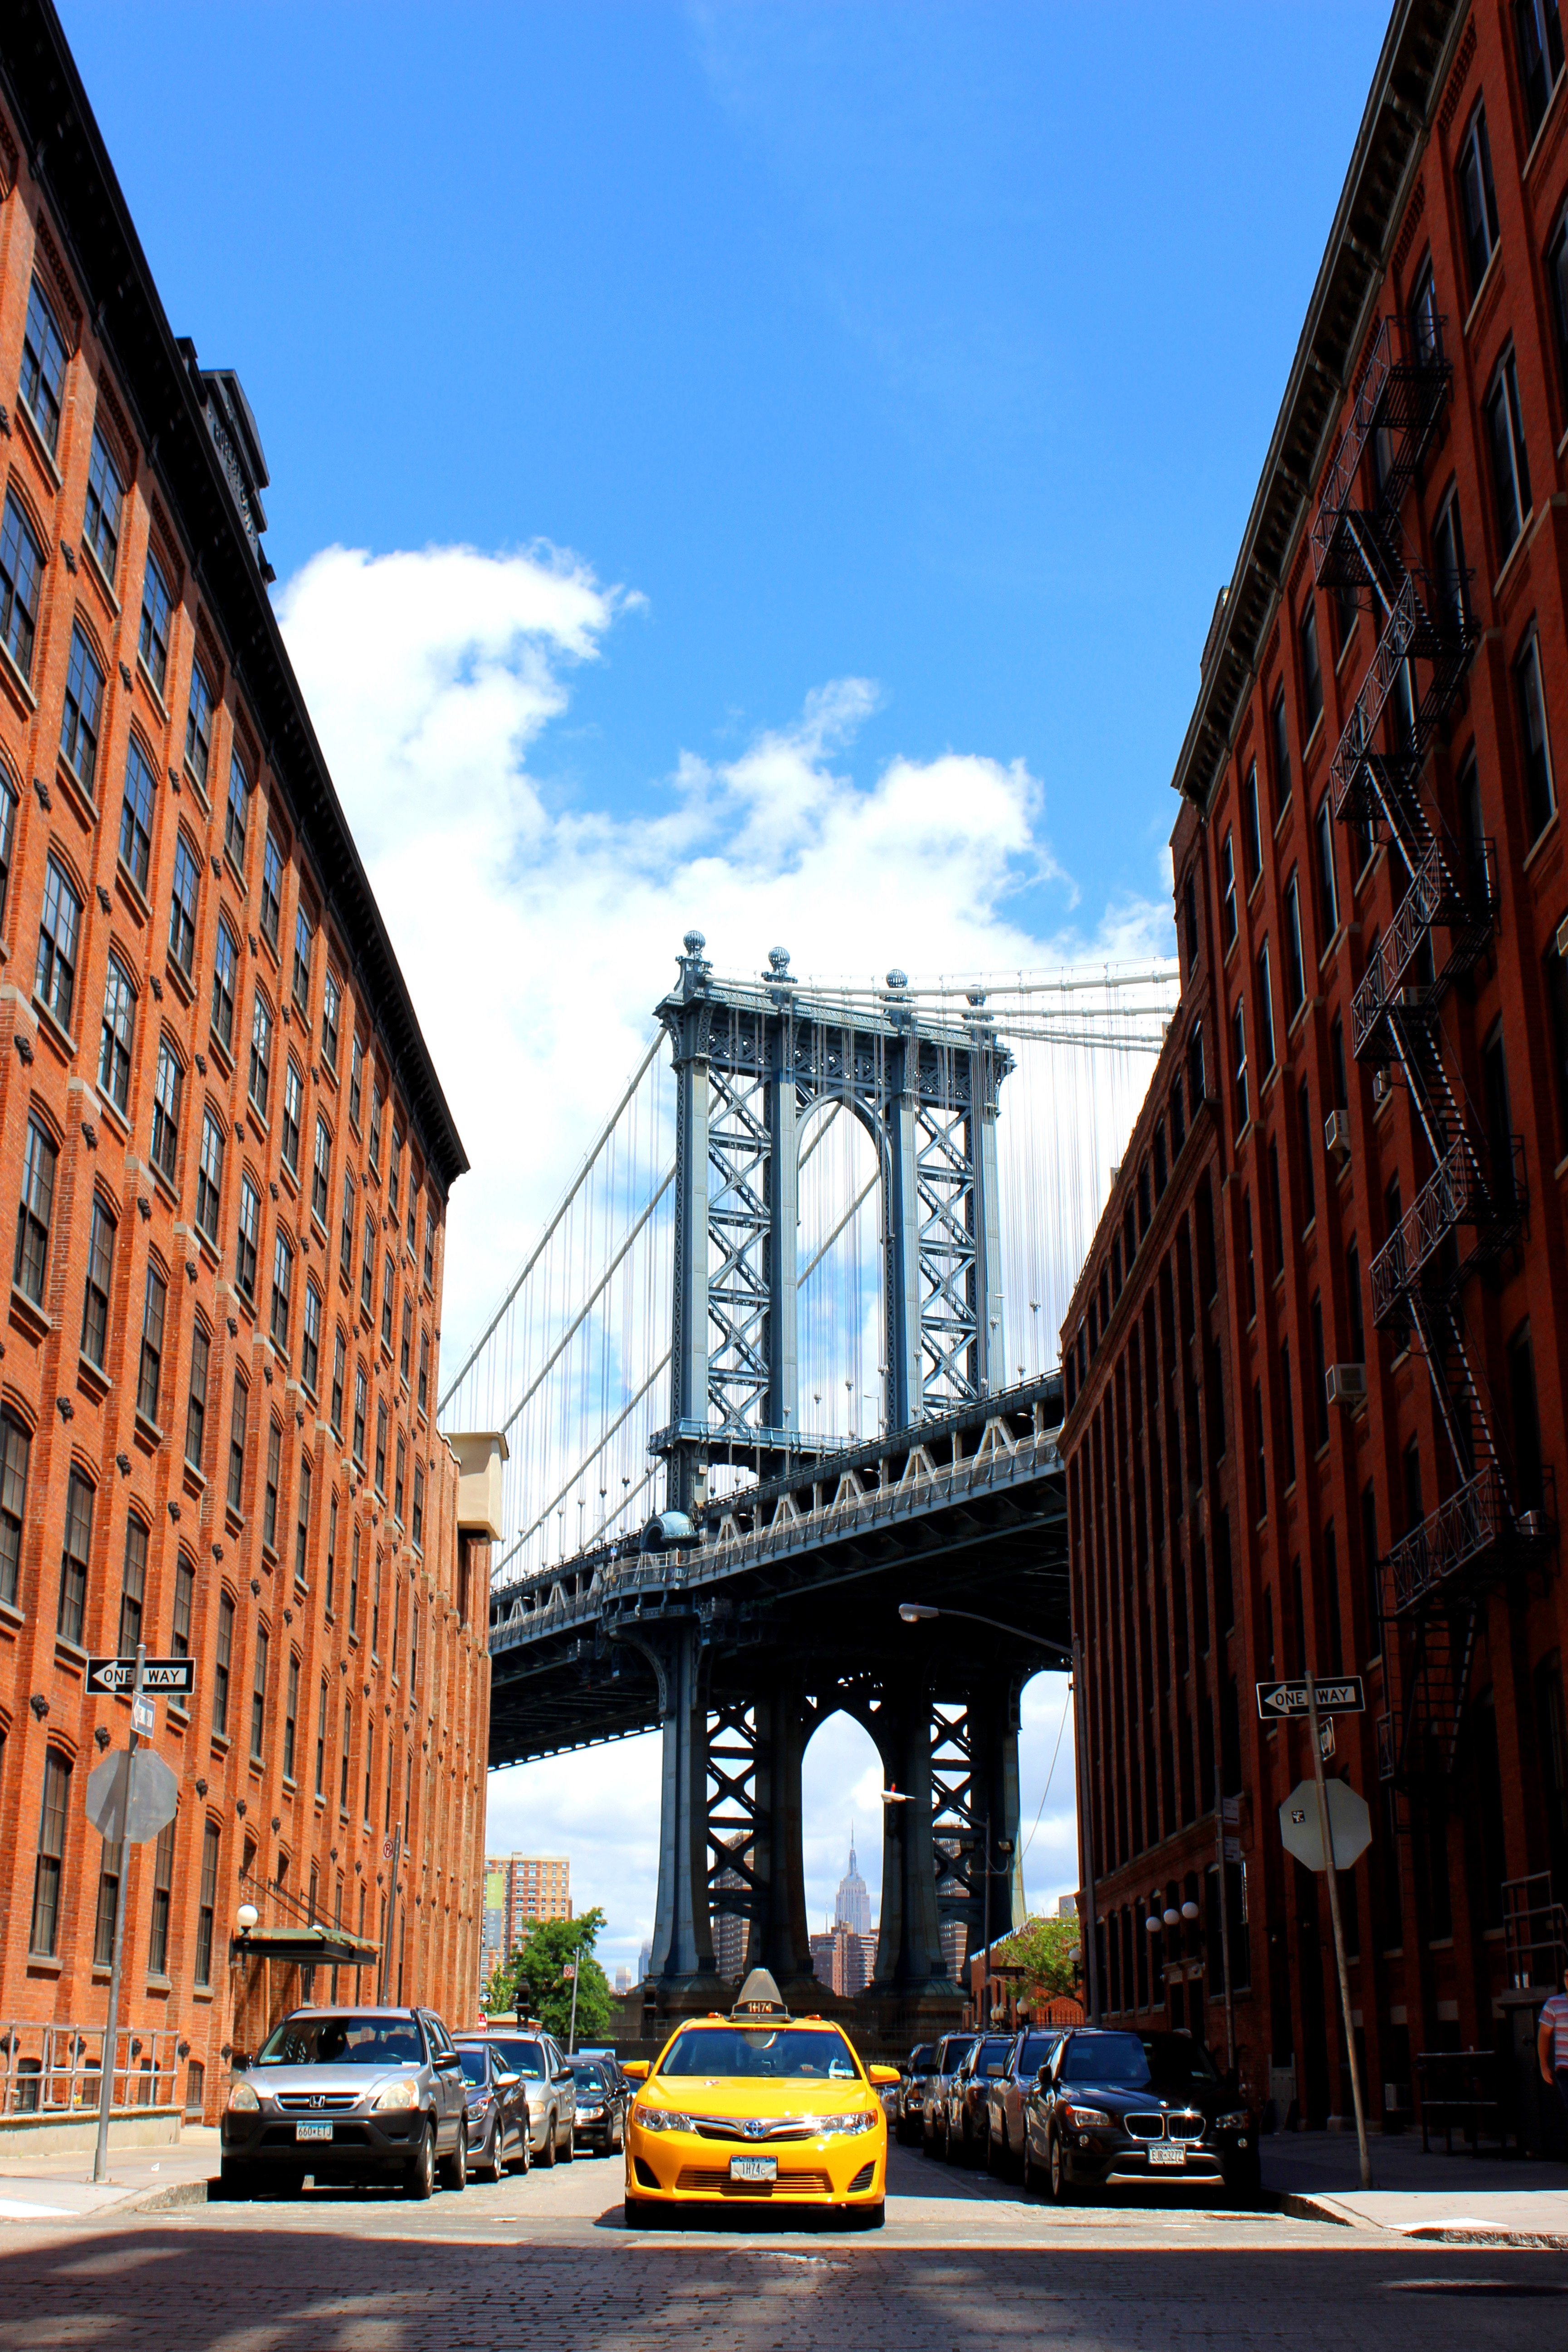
(721,2127)
(710,2180)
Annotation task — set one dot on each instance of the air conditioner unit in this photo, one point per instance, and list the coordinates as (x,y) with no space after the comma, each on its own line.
(1347,1386)
(1337,1135)
(1382,1084)
(1530,1526)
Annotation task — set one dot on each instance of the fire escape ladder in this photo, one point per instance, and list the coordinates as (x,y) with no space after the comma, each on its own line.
(1439,1328)
(1440,1678)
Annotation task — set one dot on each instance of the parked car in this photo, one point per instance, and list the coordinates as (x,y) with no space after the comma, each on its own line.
(946,2059)
(604,2095)
(548,2087)
(968,2099)
(347,2095)
(498,2110)
(1030,2050)
(1115,2106)
(910,2094)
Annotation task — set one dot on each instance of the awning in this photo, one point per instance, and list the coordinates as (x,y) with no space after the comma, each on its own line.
(330,1945)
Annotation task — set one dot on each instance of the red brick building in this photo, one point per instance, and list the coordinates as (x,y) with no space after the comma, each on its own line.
(225,1158)
(1317,1356)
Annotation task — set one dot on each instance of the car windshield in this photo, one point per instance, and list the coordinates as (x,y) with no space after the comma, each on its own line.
(753,2050)
(1037,2049)
(957,2050)
(342,2041)
(519,2057)
(993,2057)
(1133,2061)
(920,2058)
(474,2068)
(589,2072)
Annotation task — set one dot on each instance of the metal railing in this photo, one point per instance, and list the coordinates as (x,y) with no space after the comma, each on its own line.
(1475,1519)
(1535,1933)
(1455,1195)
(1433,900)
(1403,348)
(56,2070)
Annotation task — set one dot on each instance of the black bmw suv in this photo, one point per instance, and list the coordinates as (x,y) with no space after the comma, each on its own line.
(1137,2106)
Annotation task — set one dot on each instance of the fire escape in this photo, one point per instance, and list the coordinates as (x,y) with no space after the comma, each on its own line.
(1472,1204)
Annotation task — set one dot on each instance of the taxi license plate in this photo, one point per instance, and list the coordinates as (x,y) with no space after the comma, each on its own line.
(754,2167)
(1160,2154)
(312,2131)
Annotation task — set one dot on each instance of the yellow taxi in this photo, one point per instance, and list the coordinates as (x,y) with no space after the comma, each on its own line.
(757,2107)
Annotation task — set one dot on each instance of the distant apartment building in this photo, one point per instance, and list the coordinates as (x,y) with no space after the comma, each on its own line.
(728,1927)
(842,1961)
(518,1889)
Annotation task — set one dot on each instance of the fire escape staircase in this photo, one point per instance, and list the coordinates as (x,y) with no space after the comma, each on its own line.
(1472,1205)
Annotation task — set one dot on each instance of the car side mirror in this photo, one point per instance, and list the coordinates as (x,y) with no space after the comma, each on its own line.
(1042,2080)
(240,2064)
(507,2082)
(447,2062)
(634,2069)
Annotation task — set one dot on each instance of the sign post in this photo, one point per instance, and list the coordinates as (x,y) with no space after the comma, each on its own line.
(1331,1868)
(392,1851)
(111,2031)
(1225,1809)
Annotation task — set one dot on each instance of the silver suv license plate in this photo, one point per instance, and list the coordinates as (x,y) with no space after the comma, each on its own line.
(754,2167)
(1159,2154)
(312,2131)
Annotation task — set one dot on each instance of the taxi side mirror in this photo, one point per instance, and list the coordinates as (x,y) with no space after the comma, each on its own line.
(634,2069)
(882,2077)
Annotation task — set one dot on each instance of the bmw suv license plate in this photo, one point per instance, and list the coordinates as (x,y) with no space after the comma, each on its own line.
(312,2131)
(1162,2153)
(754,2167)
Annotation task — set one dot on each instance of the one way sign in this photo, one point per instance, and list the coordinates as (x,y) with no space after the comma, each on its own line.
(167,1675)
(1343,1697)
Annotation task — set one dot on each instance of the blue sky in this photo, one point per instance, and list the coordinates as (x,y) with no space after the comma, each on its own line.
(769,467)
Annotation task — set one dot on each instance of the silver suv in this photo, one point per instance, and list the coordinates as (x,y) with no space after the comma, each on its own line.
(347,2095)
(549,2081)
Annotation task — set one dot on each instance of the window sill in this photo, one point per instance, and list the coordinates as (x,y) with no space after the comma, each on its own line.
(181,982)
(39,1964)
(220,1053)
(197,787)
(160,1984)
(1521,547)
(257,1116)
(153,691)
(92,1380)
(1310,748)
(69,1655)
(14,678)
(148,1435)
(131,891)
(32,434)
(1482,289)
(28,1319)
(99,576)
(180,1713)
(1286,810)
(1546,125)
(49,1027)
(1539,843)
(10,1614)
(78,795)
(239,879)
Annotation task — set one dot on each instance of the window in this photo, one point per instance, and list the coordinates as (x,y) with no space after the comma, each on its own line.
(412,1206)
(132,1587)
(1251,831)
(1304,1115)
(208,1906)
(236,817)
(1531,703)
(33,1214)
(311,1344)
(338,1373)
(407,1342)
(44,357)
(222,1664)
(166,1112)
(15,1449)
(302,1519)
(1477,202)
(367,1267)
(1258,1436)
(302,944)
(7,840)
(430,1234)
(236,1447)
(226,979)
(331,1005)
(1320,1374)
(136,815)
(1311,668)
(418,1538)
(105,503)
(343,1778)
(21,569)
(153,639)
(1280,736)
(1287,1415)
(353,1583)
(108,1907)
(260,1054)
(322,1742)
(424,1370)
(183,906)
(356,1081)
(1557,973)
(1190,936)
(375,1110)
(332,1548)
(1448,570)
(1238,1064)
(290,1712)
(269,1491)
(1499,1119)
(1511,463)
(319,1174)
(1265,1013)
(100,1276)
(209,1176)
(388,1275)
(59,928)
(293,1110)
(360,1402)
(397,1486)
(196,1398)
(84,703)
(149,1372)
(199,724)
(259,1693)
(271,890)
(381,1447)
(163,1881)
(1295,976)
(1353,1301)
(1526,1420)
(1228,889)
(43,1939)
(282,1292)
(346,1230)
(74,1558)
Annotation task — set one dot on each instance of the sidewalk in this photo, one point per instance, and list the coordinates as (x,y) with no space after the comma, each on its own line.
(61,2187)
(1455,2200)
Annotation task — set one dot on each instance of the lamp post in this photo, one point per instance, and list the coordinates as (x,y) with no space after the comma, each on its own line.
(916,1613)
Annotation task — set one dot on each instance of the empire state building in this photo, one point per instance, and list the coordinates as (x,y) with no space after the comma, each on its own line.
(853,1904)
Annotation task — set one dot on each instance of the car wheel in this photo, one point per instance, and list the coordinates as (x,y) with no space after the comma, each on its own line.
(454,2168)
(569,2145)
(1061,2187)
(619,2141)
(1031,2179)
(951,2150)
(289,2184)
(994,2162)
(419,2173)
(494,2159)
(236,2181)
(550,2150)
(522,2156)
(637,2212)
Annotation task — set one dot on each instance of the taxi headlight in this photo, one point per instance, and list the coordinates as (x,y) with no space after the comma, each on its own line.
(404,2094)
(1237,2120)
(660,2119)
(242,2099)
(834,2127)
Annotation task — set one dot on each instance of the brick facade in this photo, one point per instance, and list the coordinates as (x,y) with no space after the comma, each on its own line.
(225,1158)
(1232,1521)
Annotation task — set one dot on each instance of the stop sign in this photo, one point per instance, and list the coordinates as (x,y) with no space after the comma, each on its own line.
(1301,1824)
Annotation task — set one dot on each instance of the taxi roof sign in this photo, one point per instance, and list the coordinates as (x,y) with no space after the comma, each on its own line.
(760,1997)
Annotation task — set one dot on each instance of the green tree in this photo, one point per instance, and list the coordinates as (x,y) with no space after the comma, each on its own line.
(1040,1947)
(535,1984)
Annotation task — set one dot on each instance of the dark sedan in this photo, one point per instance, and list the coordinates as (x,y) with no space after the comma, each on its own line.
(1137,2107)
(912,2091)
(497,2111)
(604,2095)
(1007,2091)
(969,2128)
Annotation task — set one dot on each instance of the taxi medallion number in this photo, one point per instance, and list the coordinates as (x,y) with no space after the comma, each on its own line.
(754,2167)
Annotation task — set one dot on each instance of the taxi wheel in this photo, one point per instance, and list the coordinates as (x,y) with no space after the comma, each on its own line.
(867,2216)
(639,2213)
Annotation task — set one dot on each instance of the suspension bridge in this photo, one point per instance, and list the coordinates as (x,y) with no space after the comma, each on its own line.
(783,1359)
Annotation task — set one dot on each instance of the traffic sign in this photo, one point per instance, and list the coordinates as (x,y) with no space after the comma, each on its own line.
(131,1796)
(1350,1824)
(1342,1697)
(168,1675)
(1325,1737)
(145,1717)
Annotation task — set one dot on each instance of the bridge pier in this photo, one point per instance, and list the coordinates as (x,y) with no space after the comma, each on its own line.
(681,1962)
(779,1939)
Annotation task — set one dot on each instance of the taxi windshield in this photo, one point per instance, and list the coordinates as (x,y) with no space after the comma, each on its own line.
(760,2053)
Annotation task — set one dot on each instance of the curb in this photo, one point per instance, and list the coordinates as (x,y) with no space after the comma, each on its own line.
(173,2194)
(1305,2208)
(1302,2208)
